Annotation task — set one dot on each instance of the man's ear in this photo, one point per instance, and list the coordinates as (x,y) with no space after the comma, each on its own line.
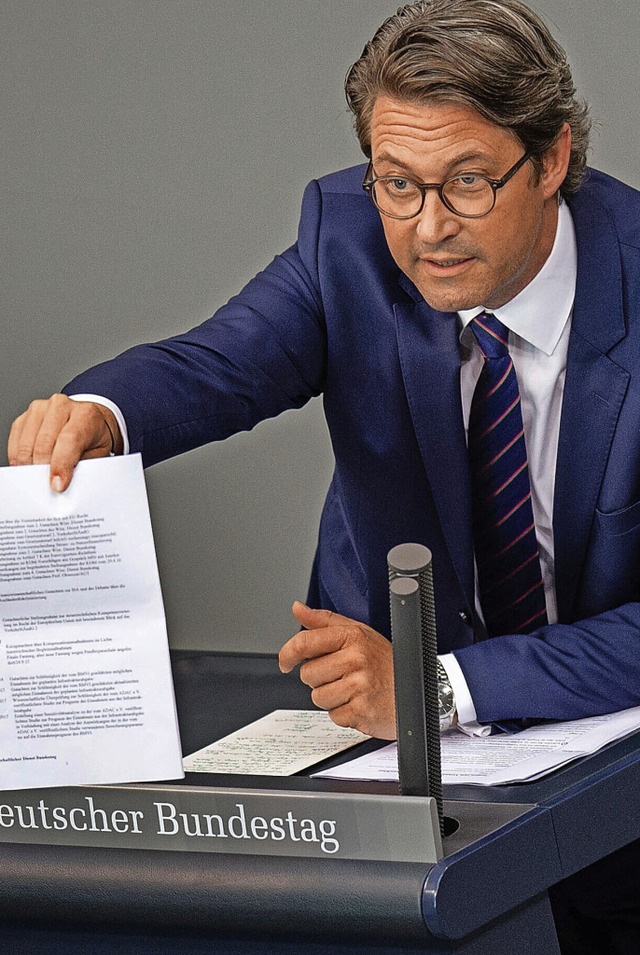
(555,162)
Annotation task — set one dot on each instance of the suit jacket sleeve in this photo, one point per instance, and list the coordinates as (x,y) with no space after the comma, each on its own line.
(562,671)
(260,354)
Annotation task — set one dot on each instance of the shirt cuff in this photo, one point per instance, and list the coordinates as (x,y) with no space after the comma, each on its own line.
(467,717)
(106,403)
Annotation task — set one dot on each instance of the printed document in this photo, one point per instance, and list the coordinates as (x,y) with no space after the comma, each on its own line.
(86,694)
(503,758)
(280,744)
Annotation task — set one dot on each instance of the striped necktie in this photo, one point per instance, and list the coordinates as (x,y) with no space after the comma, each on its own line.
(509,577)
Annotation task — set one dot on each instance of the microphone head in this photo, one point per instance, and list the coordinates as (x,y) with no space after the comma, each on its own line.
(408,560)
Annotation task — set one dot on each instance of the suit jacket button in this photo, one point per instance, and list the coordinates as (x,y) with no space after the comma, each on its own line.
(464,616)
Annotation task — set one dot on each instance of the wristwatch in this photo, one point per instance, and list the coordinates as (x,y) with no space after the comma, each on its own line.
(447,709)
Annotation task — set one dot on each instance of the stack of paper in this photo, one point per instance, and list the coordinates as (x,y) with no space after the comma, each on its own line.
(490,760)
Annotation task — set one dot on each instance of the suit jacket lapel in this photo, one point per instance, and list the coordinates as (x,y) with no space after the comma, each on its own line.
(430,362)
(594,390)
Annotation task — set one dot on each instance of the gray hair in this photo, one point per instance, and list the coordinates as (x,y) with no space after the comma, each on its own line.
(496,56)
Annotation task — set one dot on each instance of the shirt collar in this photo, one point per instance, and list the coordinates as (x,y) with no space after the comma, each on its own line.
(539,313)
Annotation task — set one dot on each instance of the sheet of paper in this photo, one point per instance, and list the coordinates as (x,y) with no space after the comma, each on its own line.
(86,694)
(280,744)
(491,760)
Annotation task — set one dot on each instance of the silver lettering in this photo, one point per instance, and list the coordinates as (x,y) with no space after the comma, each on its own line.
(59,818)
(197,831)
(277,829)
(327,829)
(221,834)
(164,817)
(94,813)
(243,823)
(21,810)
(44,809)
(72,819)
(291,821)
(120,820)
(259,828)
(308,831)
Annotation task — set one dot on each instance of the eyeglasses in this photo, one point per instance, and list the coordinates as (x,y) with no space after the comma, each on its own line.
(467,194)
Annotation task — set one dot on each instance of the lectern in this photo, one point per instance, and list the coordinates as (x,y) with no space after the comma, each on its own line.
(486,895)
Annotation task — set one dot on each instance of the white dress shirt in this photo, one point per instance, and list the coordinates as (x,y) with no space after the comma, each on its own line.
(539,322)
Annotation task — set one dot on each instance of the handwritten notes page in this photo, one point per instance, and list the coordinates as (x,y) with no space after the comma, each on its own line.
(86,694)
(502,759)
(280,744)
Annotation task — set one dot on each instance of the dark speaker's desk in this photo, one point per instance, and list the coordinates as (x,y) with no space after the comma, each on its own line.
(486,897)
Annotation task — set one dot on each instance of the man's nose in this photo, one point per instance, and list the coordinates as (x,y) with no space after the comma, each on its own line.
(436,222)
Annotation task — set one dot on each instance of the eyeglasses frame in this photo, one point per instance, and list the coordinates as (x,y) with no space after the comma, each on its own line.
(368,185)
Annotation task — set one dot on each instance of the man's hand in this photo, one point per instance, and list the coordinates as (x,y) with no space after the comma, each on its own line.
(62,432)
(349,667)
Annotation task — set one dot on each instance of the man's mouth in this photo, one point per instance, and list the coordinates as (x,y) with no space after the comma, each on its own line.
(443,265)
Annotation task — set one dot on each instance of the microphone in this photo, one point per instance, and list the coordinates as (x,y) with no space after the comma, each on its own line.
(413,630)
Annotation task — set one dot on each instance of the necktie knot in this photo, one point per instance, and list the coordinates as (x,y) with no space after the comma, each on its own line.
(492,336)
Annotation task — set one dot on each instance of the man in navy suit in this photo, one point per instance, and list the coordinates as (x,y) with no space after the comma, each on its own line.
(481,203)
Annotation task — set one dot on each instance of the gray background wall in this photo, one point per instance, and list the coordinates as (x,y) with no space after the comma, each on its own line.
(152,158)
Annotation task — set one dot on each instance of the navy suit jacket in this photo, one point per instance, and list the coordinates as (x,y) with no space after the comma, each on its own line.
(335,316)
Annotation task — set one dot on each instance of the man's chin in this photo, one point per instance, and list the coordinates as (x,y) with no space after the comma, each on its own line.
(448,295)
(453,301)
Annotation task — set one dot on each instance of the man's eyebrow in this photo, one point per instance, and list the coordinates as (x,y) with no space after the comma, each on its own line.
(392,160)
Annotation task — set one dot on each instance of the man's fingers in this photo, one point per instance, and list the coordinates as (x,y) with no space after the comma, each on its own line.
(66,454)
(328,696)
(33,435)
(343,716)
(328,668)
(24,431)
(53,420)
(62,432)
(307,645)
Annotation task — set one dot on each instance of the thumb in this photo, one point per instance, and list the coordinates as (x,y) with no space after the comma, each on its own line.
(313,619)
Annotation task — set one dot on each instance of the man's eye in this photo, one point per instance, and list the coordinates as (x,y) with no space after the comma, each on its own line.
(399,185)
(467,181)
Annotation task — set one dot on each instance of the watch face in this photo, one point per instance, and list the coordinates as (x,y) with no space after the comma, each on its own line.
(446,703)
(446,698)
